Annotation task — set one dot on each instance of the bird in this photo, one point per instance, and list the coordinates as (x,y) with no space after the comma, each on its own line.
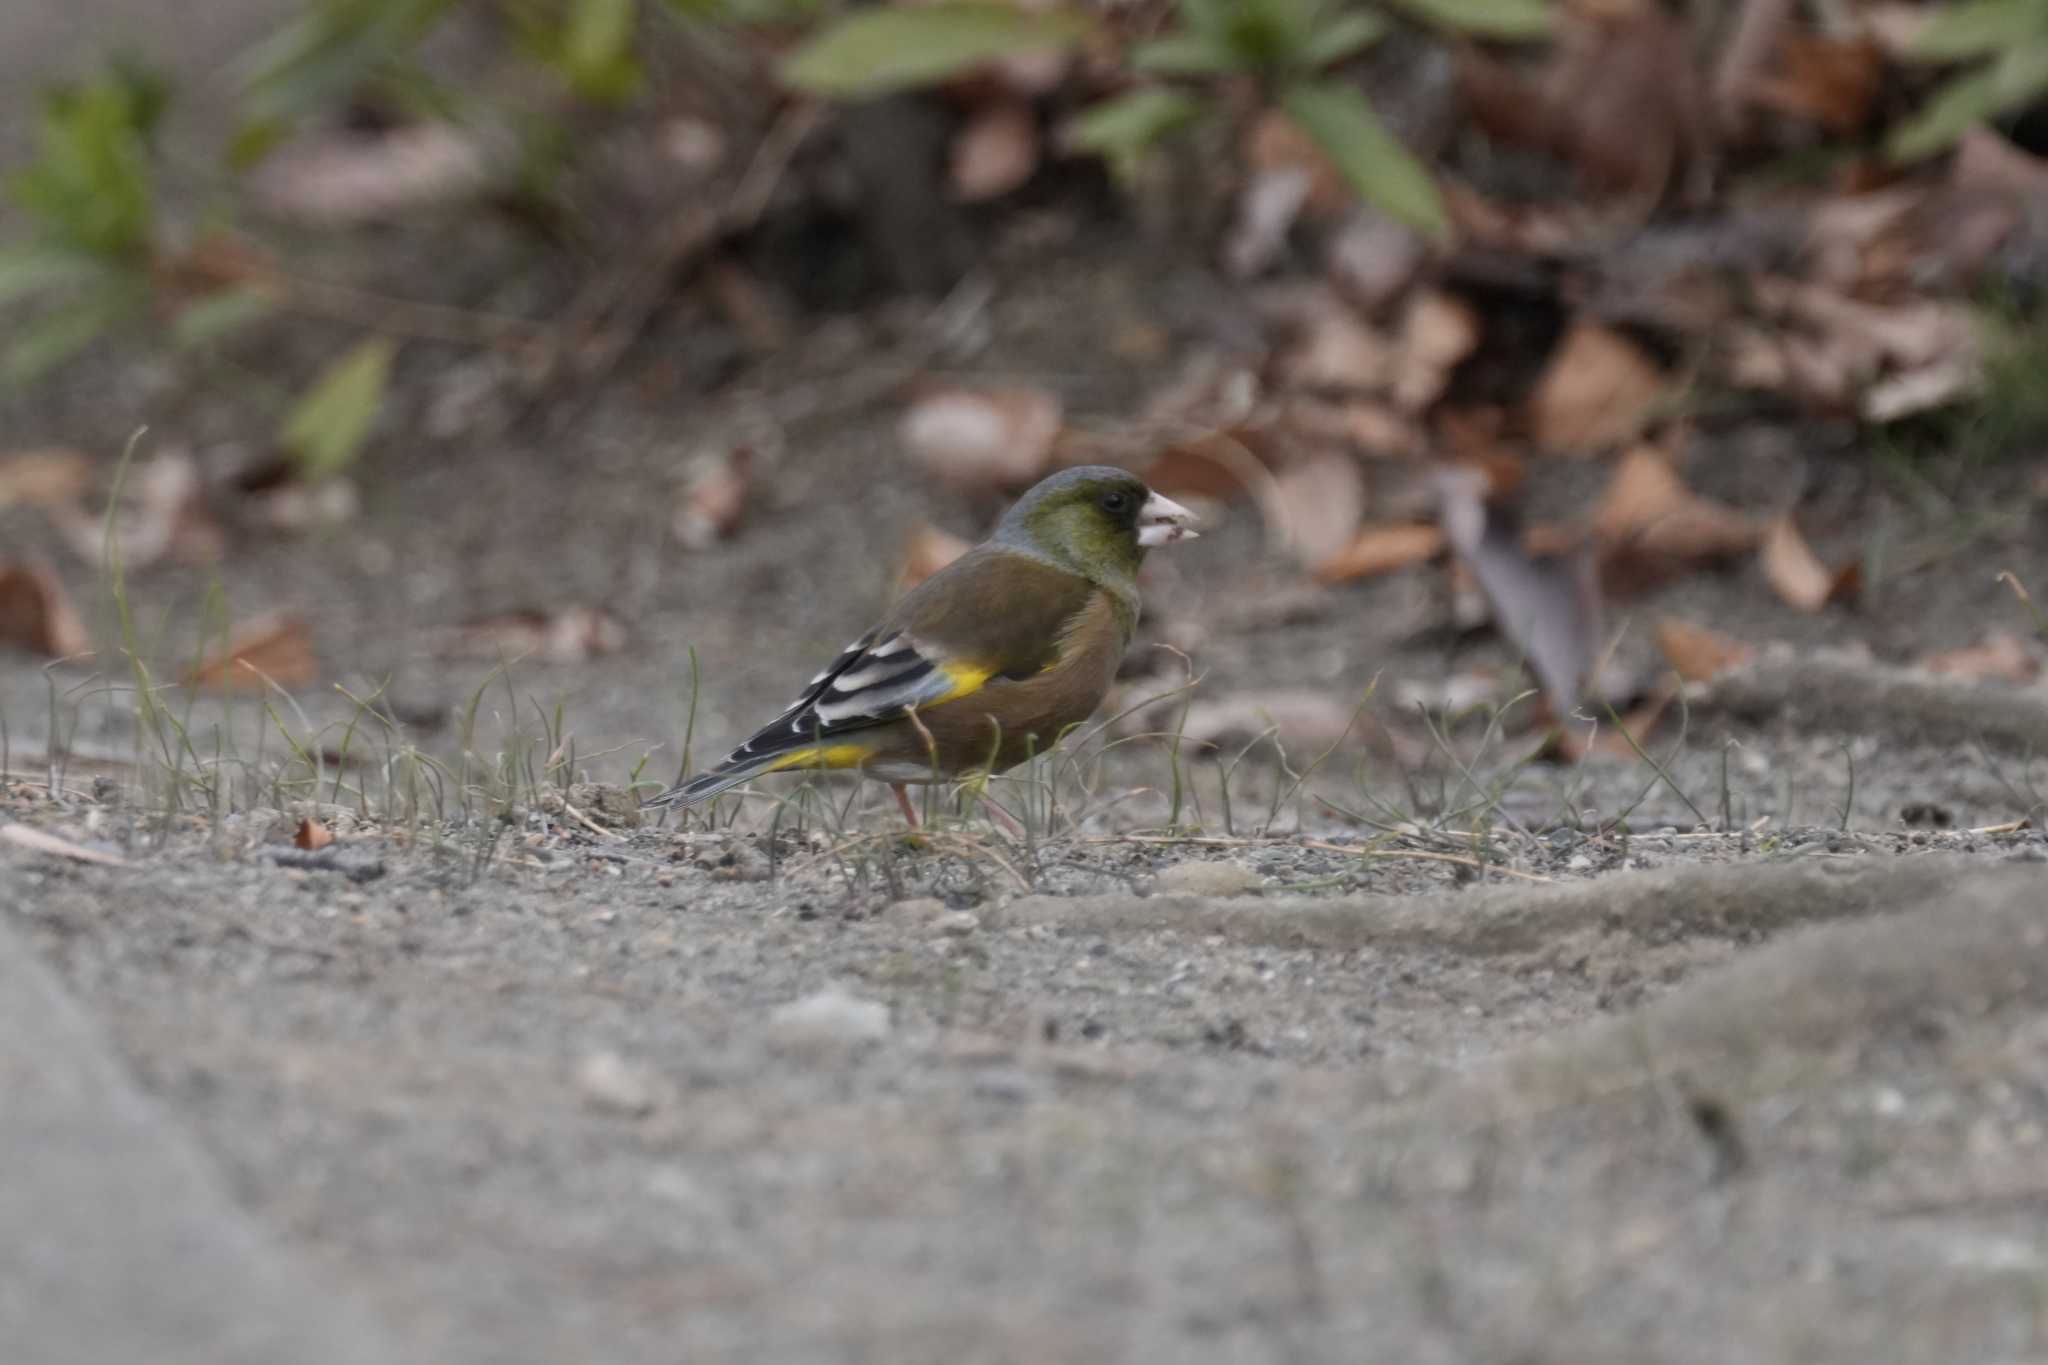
(986,663)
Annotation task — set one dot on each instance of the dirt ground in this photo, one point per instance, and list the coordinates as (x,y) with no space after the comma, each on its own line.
(1285,1090)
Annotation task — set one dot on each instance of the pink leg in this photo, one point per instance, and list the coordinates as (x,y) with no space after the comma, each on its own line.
(903,801)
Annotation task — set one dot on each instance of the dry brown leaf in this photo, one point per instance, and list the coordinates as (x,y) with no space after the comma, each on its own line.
(2002,656)
(1364,425)
(570,635)
(927,551)
(1382,549)
(978,440)
(272,649)
(311,834)
(1372,259)
(1598,390)
(995,152)
(343,179)
(1338,351)
(1986,160)
(1648,510)
(1316,506)
(1620,99)
(42,841)
(1797,573)
(1547,607)
(163,514)
(43,478)
(1697,654)
(1828,81)
(36,614)
(1437,331)
(715,498)
(1301,720)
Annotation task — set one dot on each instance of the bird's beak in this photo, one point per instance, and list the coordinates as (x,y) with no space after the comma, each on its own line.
(1162,521)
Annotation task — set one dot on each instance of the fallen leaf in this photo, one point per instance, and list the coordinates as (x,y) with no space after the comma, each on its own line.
(714,497)
(1366,426)
(1697,654)
(1337,351)
(2002,656)
(272,649)
(570,635)
(1302,721)
(1437,331)
(43,478)
(1267,208)
(163,514)
(1372,259)
(311,835)
(1620,100)
(978,440)
(1797,573)
(41,841)
(1549,607)
(1598,390)
(927,551)
(1829,81)
(1316,506)
(995,152)
(36,614)
(347,179)
(1986,160)
(1381,549)
(1648,510)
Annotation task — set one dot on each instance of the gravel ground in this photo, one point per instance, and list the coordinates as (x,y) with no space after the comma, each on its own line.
(1601,1081)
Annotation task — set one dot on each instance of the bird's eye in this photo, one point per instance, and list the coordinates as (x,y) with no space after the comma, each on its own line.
(1116,501)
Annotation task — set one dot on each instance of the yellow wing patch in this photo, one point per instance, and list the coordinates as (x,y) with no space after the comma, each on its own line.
(827,756)
(964,677)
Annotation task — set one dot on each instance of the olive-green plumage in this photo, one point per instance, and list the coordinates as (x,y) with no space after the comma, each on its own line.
(989,661)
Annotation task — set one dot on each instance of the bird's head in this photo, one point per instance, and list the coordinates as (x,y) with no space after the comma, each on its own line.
(1096,520)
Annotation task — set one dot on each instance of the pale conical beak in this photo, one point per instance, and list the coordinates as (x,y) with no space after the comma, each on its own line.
(1162,521)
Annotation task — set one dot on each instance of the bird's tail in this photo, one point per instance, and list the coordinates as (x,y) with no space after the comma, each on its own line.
(748,762)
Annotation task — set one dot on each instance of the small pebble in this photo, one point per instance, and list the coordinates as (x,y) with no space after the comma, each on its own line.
(1206,879)
(918,910)
(612,1085)
(831,1017)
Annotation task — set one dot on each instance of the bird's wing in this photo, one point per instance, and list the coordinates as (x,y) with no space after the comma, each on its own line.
(993,613)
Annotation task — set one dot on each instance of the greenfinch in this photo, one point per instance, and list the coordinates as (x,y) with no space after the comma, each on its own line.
(987,662)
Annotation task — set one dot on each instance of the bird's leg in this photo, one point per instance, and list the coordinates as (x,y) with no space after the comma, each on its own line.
(903,800)
(1002,817)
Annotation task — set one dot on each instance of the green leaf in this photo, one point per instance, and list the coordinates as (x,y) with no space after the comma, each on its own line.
(207,320)
(877,51)
(1347,35)
(26,270)
(1506,19)
(1980,27)
(1384,173)
(1123,129)
(1184,54)
(59,335)
(597,48)
(2014,79)
(326,428)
